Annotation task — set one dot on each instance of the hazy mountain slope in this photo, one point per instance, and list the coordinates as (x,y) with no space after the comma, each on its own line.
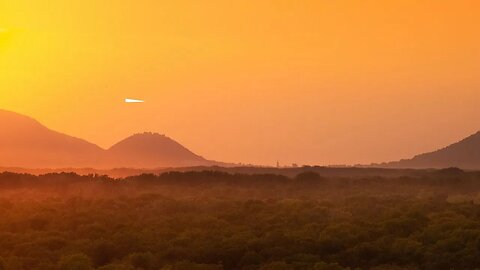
(148,150)
(464,154)
(25,142)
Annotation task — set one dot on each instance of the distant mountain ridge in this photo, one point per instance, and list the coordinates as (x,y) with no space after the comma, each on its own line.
(146,150)
(464,154)
(24,142)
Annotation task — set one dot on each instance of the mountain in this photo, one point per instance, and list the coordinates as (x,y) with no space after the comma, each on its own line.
(148,150)
(464,154)
(24,142)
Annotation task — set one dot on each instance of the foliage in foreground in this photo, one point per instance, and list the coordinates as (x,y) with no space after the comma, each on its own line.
(209,220)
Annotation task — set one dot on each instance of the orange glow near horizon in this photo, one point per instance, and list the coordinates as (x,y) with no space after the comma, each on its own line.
(311,82)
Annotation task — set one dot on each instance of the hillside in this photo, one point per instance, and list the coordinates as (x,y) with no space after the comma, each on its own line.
(24,142)
(147,150)
(464,154)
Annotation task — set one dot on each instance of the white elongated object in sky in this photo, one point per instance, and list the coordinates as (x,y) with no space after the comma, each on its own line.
(131,100)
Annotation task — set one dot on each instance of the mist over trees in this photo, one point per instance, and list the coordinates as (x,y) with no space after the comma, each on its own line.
(218,220)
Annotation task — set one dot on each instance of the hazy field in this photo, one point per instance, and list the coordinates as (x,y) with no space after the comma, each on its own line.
(216,220)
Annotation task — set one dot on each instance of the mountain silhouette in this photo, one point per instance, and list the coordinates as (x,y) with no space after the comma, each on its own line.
(24,142)
(464,154)
(147,150)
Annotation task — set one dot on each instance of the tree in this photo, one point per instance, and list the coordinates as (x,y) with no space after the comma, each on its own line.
(114,266)
(309,178)
(251,258)
(328,266)
(2,264)
(276,266)
(145,261)
(103,253)
(192,266)
(75,262)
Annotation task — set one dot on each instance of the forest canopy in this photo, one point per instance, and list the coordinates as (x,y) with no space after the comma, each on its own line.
(219,220)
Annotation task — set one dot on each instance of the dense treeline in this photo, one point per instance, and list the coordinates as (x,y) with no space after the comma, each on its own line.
(216,220)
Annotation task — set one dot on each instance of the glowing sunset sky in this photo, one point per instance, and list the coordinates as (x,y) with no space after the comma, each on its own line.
(312,82)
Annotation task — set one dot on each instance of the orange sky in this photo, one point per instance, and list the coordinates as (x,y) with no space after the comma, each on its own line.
(312,82)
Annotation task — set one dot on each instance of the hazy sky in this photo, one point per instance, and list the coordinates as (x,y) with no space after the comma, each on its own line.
(312,82)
